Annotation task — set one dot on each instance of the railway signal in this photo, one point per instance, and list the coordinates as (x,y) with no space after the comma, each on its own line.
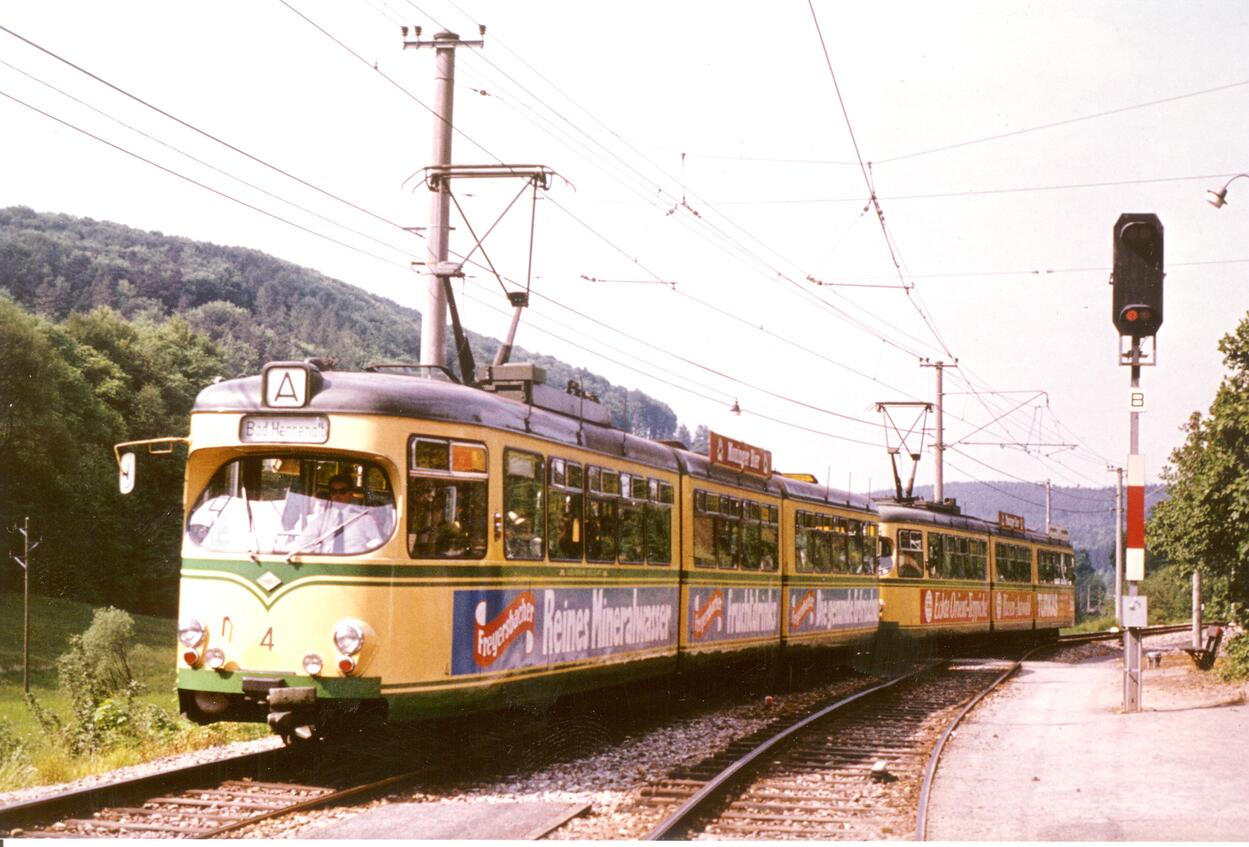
(1136,309)
(1137,303)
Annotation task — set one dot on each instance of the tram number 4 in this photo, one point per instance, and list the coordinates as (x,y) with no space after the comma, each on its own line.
(267,641)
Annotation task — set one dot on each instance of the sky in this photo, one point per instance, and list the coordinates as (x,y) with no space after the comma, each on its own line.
(709,236)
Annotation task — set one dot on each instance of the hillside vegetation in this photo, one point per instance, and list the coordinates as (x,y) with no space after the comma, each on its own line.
(107,333)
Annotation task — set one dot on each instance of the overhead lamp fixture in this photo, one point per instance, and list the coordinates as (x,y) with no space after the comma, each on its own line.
(735,409)
(1218,199)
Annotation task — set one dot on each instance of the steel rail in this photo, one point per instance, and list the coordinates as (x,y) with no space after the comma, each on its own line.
(315,802)
(681,818)
(87,800)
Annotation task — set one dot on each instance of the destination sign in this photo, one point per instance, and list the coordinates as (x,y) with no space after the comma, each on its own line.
(736,454)
(1008,521)
(284,429)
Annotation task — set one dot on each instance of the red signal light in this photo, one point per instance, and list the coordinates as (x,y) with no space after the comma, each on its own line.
(1130,315)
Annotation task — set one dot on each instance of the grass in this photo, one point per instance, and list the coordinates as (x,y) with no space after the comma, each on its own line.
(52,622)
(152,660)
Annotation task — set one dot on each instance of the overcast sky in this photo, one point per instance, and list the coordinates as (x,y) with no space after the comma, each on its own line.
(708,178)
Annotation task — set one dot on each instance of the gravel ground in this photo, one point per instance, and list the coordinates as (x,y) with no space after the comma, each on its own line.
(608,780)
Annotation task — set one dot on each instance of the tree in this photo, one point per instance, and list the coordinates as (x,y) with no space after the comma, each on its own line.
(1205,522)
(702,439)
(1090,589)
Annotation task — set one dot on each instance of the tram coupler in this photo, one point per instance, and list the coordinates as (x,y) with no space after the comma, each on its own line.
(293,713)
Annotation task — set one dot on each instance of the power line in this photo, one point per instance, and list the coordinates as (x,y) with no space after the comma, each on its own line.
(1066,122)
(194,128)
(197,183)
(978,192)
(200,161)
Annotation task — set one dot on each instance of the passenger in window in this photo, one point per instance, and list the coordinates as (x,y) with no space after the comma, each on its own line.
(346,526)
(908,565)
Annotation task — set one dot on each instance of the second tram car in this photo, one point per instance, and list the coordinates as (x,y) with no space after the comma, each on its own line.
(946,574)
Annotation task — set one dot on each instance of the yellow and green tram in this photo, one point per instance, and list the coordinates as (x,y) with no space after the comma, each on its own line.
(390,543)
(945,574)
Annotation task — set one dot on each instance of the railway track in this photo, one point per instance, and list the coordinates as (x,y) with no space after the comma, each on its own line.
(201,801)
(852,770)
(858,769)
(215,798)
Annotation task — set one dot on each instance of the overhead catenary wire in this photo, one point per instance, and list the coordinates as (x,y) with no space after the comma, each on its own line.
(282,219)
(920,309)
(195,128)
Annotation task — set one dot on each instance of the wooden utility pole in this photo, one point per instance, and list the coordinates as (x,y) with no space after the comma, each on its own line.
(24,560)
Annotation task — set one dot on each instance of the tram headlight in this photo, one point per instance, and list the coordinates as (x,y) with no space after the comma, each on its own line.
(215,658)
(349,637)
(191,632)
(313,664)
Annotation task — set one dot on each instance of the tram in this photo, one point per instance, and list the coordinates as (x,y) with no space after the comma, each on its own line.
(384,543)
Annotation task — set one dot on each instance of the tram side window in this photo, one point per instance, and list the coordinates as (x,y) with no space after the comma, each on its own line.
(705,506)
(885,563)
(565,493)
(939,556)
(1054,568)
(838,539)
(728,532)
(910,553)
(632,519)
(748,550)
(446,499)
(758,536)
(769,537)
(802,554)
(867,561)
(820,542)
(1014,563)
(658,512)
(977,563)
(854,546)
(717,534)
(524,520)
(602,514)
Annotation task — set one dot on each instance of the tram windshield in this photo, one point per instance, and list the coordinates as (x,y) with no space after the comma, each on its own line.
(293,505)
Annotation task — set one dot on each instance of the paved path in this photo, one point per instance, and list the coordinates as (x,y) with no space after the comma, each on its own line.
(1052,759)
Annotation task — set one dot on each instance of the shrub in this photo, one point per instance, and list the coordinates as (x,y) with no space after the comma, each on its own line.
(1234,664)
(106,645)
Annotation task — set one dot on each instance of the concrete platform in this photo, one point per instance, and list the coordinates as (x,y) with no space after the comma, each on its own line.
(1054,759)
(510,821)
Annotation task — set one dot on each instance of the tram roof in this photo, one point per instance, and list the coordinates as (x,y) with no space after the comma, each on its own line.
(922,514)
(408,396)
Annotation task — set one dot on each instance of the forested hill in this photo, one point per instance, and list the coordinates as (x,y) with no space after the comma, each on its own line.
(1087,513)
(254,307)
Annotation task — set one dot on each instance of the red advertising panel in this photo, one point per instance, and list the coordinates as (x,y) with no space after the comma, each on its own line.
(953,606)
(1012,605)
(737,454)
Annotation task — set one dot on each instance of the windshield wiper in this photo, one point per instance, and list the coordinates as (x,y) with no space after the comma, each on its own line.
(329,532)
(251,528)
